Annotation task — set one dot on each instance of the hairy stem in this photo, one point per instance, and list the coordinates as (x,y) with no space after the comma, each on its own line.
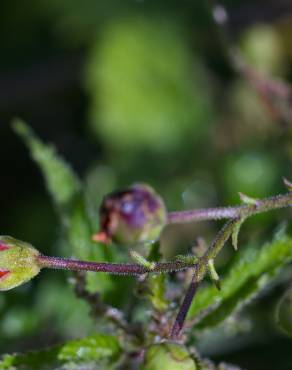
(263,205)
(200,271)
(200,266)
(183,311)
(112,268)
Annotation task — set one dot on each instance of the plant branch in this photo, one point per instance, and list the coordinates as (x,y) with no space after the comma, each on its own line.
(246,210)
(200,271)
(236,215)
(112,268)
(183,311)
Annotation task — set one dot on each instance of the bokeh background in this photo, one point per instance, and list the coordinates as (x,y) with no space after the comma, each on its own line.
(143,91)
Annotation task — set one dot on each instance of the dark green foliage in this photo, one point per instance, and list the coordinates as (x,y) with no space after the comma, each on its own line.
(79,354)
(252,271)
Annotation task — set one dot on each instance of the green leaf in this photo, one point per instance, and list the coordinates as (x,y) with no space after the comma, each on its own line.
(66,191)
(157,291)
(99,180)
(251,272)
(91,348)
(42,360)
(61,181)
(76,354)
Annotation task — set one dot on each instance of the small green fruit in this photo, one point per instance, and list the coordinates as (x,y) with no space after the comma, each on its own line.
(18,262)
(132,216)
(168,356)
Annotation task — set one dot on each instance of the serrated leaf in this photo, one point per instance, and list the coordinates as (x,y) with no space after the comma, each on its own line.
(253,269)
(66,191)
(77,354)
(61,181)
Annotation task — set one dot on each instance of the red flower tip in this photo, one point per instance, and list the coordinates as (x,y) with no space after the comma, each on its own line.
(3,246)
(101,237)
(3,273)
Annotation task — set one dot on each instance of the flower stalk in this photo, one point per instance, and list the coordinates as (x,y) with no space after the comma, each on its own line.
(19,261)
(111,268)
(246,210)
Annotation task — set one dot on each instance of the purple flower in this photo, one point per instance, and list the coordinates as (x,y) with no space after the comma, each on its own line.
(131,216)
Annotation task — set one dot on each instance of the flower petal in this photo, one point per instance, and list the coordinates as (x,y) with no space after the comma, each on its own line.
(3,273)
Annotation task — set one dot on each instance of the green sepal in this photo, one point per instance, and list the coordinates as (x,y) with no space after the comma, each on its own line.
(247,199)
(138,258)
(234,236)
(288,184)
(213,274)
(19,260)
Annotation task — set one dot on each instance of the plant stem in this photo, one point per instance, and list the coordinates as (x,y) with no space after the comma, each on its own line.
(112,268)
(263,205)
(235,214)
(200,271)
(184,308)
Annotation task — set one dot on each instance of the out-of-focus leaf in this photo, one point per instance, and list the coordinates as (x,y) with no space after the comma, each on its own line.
(48,309)
(82,247)
(284,312)
(147,90)
(77,354)
(258,178)
(261,46)
(100,180)
(157,289)
(253,269)
(43,360)
(61,181)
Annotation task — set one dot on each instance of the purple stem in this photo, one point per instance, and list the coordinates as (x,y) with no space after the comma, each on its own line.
(184,308)
(203,214)
(112,268)
(246,210)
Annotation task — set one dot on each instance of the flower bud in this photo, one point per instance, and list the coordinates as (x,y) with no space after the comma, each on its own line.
(18,262)
(168,355)
(131,216)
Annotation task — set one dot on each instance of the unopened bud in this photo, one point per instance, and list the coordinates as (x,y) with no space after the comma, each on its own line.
(18,262)
(168,355)
(131,216)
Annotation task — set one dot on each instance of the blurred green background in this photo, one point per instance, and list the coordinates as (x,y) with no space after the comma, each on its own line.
(141,91)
